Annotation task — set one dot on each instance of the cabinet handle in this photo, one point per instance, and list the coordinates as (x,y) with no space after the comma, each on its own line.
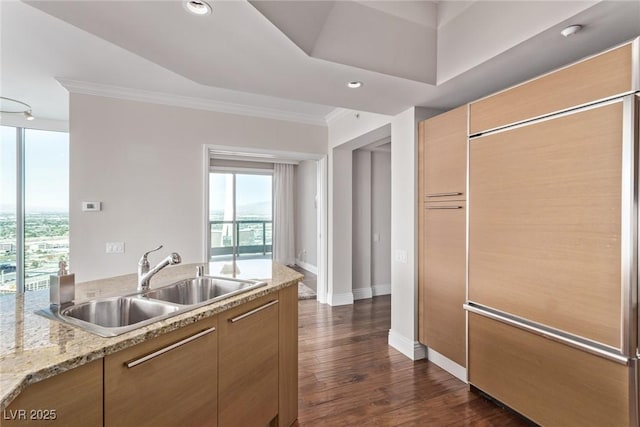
(252,312)
(443,194)
(443,207)
(169,348)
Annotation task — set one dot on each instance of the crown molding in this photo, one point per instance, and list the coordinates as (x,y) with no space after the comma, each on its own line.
(337,114)
(130,94)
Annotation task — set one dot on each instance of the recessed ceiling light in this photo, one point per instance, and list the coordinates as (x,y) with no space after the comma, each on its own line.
(354,84)
(197,7)
(571,30)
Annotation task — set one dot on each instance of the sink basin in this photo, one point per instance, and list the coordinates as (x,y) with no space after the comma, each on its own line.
(109,317)
(118,311)
(117,315)
(202,289)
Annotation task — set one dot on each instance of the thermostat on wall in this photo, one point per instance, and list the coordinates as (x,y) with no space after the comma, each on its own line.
(91,206)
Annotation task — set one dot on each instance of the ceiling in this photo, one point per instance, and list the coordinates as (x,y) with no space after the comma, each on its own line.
(292,59)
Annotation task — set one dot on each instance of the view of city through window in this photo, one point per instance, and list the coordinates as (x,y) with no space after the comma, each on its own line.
(253,230)
(46,207)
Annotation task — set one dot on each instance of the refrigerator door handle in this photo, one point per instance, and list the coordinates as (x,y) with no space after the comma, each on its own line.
(562,337)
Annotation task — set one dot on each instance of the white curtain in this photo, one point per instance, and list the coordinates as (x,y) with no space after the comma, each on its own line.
(283,211)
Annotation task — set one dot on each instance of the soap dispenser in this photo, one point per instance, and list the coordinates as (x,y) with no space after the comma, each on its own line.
(62,287)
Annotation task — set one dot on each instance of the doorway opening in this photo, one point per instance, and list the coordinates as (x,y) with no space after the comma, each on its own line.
(310,213)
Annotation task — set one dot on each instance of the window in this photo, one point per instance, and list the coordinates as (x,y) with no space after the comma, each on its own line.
(34,207)
(240,217)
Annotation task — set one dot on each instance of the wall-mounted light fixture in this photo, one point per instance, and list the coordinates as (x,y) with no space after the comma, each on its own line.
(13,106)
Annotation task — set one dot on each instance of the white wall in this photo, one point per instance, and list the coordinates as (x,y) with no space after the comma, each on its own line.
(361,224)
(381,222)
(404,303)
(346,133)
(371,216)
(145,163)
(306,215)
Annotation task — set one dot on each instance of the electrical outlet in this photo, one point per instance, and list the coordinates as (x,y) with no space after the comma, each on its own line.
(376,237)
(114,248)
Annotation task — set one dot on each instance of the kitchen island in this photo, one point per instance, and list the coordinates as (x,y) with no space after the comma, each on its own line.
(34,349)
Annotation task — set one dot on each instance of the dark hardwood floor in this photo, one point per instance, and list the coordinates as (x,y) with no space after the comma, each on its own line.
(350,376)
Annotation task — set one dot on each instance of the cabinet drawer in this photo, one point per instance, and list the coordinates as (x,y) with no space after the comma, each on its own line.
(596,78)
(444,282)
(445,156)
(170,380)
(545,222)
(548,382)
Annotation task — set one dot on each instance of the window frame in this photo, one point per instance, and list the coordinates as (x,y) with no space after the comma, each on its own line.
(20,210)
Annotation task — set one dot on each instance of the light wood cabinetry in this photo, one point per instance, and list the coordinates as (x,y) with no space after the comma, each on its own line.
(552,254)
(545,222)
(442,231)
(248,363)
(73,398)
(444,281)
(593,79)
(548,382)
(170,380)
(288,356)
(445,156)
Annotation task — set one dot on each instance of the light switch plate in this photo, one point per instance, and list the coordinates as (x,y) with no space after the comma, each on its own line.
(91,206)
(114,247)
(401,256)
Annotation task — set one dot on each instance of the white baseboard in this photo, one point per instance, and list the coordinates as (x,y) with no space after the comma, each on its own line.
(340,299)
(309,267)
(381,290)
(362,293)
(373,291)
(447,364)
(412,349)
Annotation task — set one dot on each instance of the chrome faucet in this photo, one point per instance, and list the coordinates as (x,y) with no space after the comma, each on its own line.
(145,272)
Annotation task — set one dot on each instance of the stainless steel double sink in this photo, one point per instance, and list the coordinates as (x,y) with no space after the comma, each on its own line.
(109,317)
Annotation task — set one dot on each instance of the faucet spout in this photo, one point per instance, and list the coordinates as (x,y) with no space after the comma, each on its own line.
(145,273)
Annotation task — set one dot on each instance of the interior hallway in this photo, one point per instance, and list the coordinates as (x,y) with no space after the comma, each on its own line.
(348,375)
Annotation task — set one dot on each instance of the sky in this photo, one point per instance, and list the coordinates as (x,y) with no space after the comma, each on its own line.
(46,170)
(252,191)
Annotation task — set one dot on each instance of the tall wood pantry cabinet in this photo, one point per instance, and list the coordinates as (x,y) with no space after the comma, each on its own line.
(441,274)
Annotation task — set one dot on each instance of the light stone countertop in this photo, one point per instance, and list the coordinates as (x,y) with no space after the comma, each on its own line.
(33,348)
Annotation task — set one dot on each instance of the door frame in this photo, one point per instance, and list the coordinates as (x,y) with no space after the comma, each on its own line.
(272,156)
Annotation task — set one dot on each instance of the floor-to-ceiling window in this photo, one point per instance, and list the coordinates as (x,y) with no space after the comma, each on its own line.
(240,219)
(34,207)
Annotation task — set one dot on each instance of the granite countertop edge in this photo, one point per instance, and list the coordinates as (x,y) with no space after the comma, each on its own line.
(13,384)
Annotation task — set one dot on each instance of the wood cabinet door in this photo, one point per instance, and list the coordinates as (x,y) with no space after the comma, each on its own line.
(168,381)
(288,355)
(548,382)
(248,364)
(444,282)
(545,222)
(445,156)
(72,398)
(602,76)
